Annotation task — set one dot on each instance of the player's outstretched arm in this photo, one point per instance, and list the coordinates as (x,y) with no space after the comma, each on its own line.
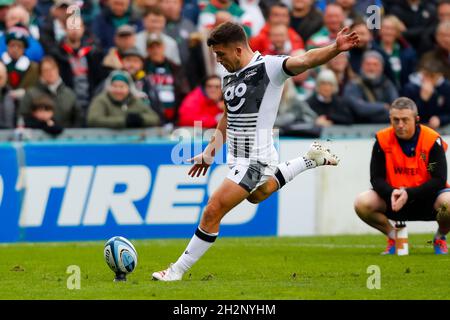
(315,57)
(203,160)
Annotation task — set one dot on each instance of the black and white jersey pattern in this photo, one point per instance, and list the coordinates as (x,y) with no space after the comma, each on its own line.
(252,97)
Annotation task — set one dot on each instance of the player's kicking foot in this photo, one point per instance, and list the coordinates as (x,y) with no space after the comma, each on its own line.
(440,245)
(170,274)
(390,248)
(321,155)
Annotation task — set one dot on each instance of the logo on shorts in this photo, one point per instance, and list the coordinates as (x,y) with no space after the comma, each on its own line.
(236,172)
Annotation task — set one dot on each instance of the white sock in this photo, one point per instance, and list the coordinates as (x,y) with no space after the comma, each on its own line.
(290,169)
(199,244)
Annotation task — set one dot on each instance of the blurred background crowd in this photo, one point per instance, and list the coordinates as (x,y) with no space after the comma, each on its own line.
(144,63)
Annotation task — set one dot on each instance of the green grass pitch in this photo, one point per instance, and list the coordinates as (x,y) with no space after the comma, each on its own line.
(234,268)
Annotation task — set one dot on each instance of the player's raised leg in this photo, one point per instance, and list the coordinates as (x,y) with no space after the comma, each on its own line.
(226,197)
(442,207)
(317,155)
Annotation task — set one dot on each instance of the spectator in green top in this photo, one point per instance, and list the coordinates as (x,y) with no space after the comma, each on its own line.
(117,107)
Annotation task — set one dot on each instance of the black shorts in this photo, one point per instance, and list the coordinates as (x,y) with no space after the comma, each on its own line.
(422,210)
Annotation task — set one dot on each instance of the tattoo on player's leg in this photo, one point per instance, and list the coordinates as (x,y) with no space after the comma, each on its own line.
(74,279)
(374,280)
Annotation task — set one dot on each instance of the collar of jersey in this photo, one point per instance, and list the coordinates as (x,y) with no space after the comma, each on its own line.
(255,56)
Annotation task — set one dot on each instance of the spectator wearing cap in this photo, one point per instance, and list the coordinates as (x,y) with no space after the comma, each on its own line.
(441,51)
(53,28)
(80,63)
(167,77)
(401,56)
(18,16)
(22,72)
(370,94)
(42,116)
(7,105)
(67,113)
(133,63)
(431,92)
(118,107)
(154,24)
(116,13)
(333,20)
(325,102)
(306,19)
(124,39)
(279,14)
(204,105)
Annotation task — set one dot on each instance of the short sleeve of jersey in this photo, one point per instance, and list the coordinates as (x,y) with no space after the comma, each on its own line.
(275,68)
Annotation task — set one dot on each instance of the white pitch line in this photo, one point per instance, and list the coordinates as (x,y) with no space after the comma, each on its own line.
(333,245)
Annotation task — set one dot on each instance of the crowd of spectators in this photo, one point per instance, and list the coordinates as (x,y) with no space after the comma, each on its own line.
(142,63)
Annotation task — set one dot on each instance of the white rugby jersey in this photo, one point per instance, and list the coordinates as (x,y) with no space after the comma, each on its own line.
(252,96)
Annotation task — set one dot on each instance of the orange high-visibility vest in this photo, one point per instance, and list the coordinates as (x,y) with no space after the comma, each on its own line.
(404,171)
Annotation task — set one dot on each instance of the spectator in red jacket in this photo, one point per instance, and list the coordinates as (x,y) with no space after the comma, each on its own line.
(204,104)
(279,14)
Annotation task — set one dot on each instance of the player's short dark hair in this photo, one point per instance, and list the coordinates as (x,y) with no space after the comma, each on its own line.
(225,33)
(403,103)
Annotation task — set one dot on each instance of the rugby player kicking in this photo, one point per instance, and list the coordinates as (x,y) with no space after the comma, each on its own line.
(252,86)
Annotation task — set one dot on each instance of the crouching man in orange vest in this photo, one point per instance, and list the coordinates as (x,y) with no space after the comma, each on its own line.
(408,173)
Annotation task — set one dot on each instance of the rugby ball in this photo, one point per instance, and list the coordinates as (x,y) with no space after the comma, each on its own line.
(120,255)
